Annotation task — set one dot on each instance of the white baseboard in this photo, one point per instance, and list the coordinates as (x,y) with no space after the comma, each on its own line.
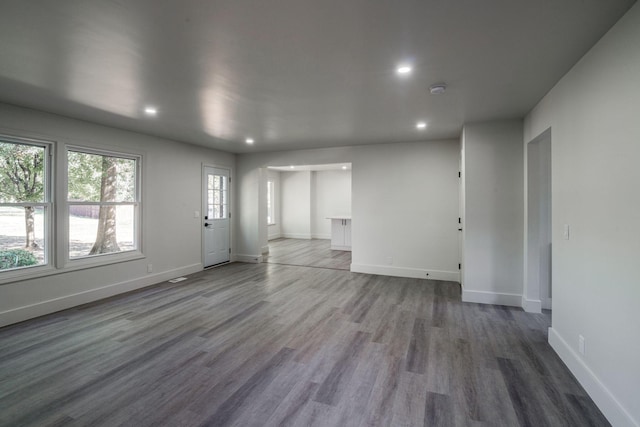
(484,297)
(603,398)
(418,273)
(265,249)
(546,304)
(341,248)
(321,236)
(296,236)
(20,314)
(256,259)
(531,305)
(274,236)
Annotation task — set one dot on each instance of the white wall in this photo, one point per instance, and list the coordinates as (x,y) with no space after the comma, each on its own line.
(331,195)
(275,230)
(296,204)
(172,174)
(593,116)
(404,204)
(493,212)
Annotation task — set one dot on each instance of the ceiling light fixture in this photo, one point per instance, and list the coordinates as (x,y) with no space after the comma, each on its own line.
(421,125)
(404,70)
(150,111)
(291,167)
(438,88)
(249,141)
(344,168)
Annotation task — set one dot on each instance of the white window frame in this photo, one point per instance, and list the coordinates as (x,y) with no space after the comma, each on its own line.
(48,206)
(64,260)
(271,202)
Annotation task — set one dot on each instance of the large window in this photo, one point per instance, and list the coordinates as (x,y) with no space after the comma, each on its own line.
(25,207)
(271,218)
(103,203)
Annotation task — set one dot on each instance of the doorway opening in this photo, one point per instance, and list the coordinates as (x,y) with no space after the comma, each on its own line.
(539,229)
(301,210)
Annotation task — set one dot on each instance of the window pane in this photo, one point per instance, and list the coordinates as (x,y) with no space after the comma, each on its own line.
(21,173)
(86,237)
(14,230)
(97,178)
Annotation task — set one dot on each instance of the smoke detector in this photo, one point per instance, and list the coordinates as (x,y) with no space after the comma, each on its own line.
(438,88)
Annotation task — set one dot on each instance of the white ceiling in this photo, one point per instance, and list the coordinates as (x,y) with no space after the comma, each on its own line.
(292,73)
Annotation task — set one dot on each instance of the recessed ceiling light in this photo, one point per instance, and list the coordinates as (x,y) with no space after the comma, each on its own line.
(249,141)
(150,111)
(291,167)
(438,88)
(421,125)
(404,70)
(344,168)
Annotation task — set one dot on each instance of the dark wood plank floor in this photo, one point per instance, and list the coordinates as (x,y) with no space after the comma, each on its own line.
(276,345)
(309,253)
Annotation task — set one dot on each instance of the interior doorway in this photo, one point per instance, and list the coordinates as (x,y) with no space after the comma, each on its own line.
(539,227)
(299,205)
(215,218)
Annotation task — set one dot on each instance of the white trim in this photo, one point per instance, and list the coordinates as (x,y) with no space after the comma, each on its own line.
(340,248)
(484,297)
(321,236)
(255,259)
(418,273)
(531,306)
(612,409)
(20,314)
(265,249)
(274,236)
(547,303)
(296,236)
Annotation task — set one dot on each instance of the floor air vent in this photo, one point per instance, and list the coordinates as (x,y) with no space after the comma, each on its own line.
(177,279)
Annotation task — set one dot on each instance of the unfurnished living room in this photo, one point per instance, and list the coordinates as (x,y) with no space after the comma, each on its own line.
(319,213)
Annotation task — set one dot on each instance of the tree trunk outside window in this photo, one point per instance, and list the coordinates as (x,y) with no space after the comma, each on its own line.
(106,237)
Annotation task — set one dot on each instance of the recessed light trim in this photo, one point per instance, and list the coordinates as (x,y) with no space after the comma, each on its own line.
(421,125)
(344,168)
(249,141)
(438,88)
(404,69)
(291,167)
(150,111)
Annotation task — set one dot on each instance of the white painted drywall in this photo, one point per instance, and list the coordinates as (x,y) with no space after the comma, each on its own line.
(331,196)
(404,204)
(296,204)
(593,115)
(274,231)
(493,212)
(172,175)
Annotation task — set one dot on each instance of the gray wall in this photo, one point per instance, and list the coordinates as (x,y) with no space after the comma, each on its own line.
(593,116)
(493,212)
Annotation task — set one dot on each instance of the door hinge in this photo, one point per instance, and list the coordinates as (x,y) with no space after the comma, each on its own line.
(459,220)
(459,266)
(459,174)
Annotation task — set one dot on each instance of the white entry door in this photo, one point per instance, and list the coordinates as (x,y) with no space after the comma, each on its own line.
(216,216)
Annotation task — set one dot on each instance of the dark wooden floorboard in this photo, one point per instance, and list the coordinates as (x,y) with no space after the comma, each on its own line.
(283,345)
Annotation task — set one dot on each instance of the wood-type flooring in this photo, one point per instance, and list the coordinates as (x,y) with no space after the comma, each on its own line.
(309,253)
(278,345)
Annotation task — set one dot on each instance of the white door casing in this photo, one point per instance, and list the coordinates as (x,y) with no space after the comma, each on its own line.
(216,216)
